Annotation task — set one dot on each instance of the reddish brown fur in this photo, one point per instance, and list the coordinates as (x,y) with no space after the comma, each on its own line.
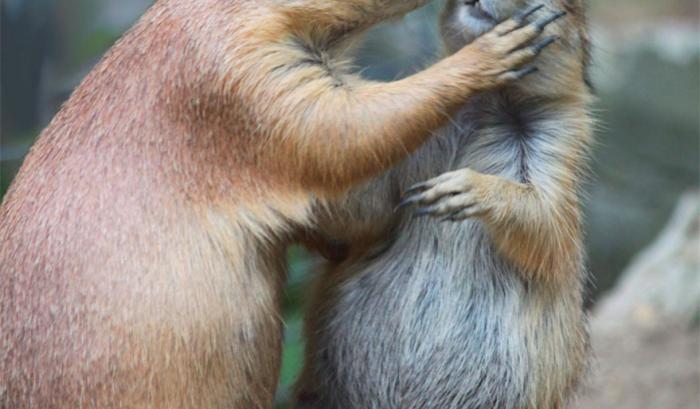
(143,239)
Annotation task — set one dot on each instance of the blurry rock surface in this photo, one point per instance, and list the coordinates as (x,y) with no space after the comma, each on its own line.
(645,333)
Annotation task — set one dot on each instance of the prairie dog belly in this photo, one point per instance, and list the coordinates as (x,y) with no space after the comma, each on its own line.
(446,341)
(434,317)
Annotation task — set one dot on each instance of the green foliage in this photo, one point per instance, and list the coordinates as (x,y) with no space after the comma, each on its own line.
(5,180)
(95,44)
(293,304)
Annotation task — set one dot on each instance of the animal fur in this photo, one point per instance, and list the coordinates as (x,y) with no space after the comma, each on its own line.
(142,243)
(478,304)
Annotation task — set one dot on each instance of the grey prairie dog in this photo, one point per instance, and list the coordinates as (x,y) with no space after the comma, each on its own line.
(142,242)
(469,295)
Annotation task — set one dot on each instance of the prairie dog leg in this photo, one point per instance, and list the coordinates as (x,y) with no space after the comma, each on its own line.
(533,229)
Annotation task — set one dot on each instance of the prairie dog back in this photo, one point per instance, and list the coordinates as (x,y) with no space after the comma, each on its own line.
(478,303)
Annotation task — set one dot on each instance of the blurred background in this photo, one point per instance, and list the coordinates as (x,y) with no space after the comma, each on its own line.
(646,71)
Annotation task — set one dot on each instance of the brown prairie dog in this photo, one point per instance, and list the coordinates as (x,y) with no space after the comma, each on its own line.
(142,242)
(478,303)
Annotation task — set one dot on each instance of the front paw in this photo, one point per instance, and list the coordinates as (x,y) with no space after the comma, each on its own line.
(452,196)
(508,48)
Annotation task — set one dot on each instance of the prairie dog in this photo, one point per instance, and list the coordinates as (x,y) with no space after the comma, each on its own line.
(142,243)
(478,303)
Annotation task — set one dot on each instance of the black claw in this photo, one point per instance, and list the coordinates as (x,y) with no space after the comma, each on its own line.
(406,203)
(417,187)
(522,16)
(425,211)
(452,217)
(524,72)
(541,25)
(537,48)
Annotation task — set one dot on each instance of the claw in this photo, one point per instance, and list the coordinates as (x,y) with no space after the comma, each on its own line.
(541,25)
(458,215)
(451,218)
(524,72)
(521,17)
(406,203)
(519,74)
(537,48)
(416,188)
(425,211)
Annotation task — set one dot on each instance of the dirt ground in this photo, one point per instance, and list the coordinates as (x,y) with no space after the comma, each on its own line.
(644,369)
(646,332)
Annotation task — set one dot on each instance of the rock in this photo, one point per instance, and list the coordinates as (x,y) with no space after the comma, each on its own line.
(648,142)
(645,333)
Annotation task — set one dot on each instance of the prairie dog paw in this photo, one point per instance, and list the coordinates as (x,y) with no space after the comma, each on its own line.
(509,48)
(453,196)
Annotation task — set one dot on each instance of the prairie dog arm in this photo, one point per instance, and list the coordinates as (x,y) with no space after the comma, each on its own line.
(331,129)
